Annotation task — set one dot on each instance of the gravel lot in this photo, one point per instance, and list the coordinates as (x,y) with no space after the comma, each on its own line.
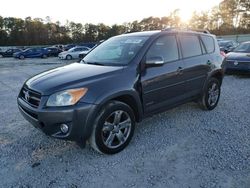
(183,147)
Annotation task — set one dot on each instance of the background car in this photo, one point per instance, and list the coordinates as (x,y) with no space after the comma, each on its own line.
(53,51)
(227,45)
(31,53)
(9,52)
(73,53)
(239,59)
(68,46)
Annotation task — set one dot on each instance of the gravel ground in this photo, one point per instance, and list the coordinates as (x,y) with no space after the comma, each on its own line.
(183,147)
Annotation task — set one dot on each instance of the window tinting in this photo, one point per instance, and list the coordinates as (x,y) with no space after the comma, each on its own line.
(208,42)
(165,47)
(190,45)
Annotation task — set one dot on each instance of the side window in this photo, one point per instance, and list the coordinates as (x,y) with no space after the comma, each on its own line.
(208,42)
(190,45)
(165,47)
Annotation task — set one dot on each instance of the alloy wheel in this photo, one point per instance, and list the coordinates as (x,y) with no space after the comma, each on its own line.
(116,129)
(213,94)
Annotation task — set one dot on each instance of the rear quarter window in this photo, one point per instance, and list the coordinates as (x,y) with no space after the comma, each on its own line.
(190,45)
(209,43)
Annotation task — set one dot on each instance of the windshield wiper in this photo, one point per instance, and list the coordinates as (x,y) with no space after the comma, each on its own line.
(94,63)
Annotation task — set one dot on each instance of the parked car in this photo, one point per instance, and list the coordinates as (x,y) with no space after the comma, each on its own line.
(122,81)
(239,59)
(227,45)
(31,53)
(73,53)
(60,46)
(9,52)
(68,46)
(53,51)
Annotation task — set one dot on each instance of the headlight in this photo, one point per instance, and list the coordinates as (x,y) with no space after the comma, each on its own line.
(67,97)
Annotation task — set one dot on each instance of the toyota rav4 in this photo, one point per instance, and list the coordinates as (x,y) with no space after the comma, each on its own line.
(122,81)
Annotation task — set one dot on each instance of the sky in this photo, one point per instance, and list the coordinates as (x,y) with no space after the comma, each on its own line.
(102,11)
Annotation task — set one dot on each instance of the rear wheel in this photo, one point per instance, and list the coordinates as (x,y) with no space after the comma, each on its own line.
(44,56)
(113,128)
(211,95)
(68,57)
(1,55)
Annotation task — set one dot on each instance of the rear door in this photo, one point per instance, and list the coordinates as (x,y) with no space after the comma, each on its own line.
(163,85)
(196,62)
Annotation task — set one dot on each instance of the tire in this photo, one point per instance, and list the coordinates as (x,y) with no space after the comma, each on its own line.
(211,94)
(44,56)
(1,56)
(68,57)
(21,57)
(113,128)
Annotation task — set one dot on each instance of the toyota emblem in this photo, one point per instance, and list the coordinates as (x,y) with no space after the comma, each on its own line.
(26,95)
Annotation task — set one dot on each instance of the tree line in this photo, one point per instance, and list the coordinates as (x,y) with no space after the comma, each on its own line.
(229,17)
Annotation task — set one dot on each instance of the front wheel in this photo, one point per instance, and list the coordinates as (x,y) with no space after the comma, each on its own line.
(211,94)
(21,57)
(113,128)
(68,57)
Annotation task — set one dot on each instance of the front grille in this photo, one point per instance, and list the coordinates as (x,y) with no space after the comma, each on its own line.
(31,97)
(239,62)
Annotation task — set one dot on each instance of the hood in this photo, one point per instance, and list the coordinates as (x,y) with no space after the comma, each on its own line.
(64,52)
(238,56)
(70,76)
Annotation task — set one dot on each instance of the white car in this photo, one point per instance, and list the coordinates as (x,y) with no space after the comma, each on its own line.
(73,53)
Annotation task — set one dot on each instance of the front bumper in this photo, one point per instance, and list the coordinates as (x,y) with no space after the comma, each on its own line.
(79,118)
(237,66)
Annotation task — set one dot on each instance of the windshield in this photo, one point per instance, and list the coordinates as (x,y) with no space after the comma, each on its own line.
(116,51)
(245,47)
(72,49)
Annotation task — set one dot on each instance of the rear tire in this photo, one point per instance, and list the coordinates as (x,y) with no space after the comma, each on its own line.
(44,56)
(113,128)
(21,57)
(211,94)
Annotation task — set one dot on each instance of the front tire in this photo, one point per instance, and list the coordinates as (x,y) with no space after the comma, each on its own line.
(211,94)
(68,57)
(113,128)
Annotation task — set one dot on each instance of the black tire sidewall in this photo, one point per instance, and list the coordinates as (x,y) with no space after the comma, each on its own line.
(111,107)
(205,98)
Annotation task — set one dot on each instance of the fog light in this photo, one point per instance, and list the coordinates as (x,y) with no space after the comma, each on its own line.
(64,128)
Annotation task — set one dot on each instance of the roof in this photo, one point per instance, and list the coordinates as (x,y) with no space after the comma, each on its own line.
(167,30)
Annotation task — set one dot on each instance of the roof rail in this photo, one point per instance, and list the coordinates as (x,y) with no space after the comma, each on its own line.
(185,29)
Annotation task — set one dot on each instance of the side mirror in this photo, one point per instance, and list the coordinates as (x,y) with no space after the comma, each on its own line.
(154,61)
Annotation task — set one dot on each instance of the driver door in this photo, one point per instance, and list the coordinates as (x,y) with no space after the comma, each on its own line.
(163,85)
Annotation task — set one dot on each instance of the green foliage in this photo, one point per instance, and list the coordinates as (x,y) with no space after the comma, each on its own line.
(229,17)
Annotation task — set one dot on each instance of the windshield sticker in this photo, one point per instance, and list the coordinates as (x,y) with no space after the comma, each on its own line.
(133,41)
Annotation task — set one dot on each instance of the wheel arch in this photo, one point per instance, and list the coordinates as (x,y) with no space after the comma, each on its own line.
(129,98)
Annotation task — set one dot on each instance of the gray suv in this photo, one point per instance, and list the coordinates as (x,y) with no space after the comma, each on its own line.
(122,81)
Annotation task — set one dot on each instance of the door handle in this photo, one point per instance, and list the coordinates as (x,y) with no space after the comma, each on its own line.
(179,70)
